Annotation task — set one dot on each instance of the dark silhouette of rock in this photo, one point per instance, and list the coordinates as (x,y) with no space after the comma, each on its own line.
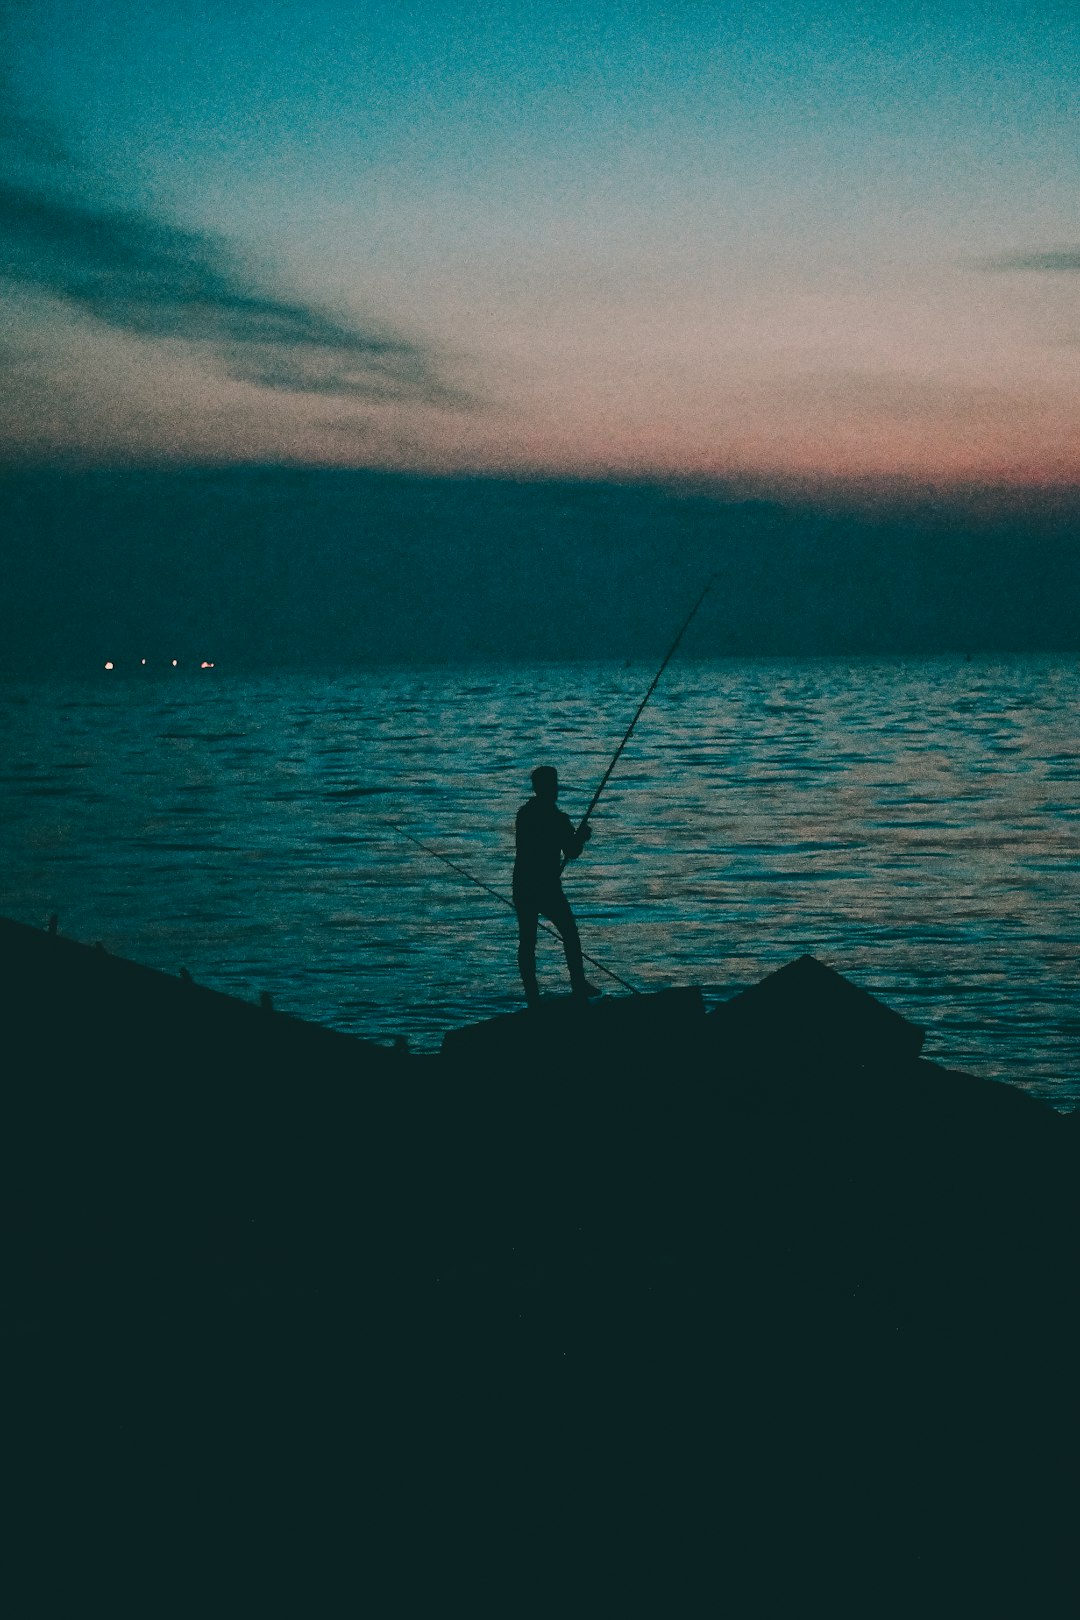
(726,1315)
(809,1010)
(131,1015)
(566,1030)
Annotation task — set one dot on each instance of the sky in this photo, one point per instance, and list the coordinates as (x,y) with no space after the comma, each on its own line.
(786,244)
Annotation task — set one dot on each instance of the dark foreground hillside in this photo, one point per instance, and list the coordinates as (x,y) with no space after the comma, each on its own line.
(627,1310)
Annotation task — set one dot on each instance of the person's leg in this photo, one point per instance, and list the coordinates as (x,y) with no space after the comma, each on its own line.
(527,917)
(558,909)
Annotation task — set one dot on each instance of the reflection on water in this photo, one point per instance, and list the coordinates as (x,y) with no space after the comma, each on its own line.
(913,823)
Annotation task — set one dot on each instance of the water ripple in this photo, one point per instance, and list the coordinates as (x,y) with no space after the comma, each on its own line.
(911,822)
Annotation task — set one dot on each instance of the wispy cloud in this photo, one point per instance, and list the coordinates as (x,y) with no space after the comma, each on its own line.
(1051,261)
(142,275)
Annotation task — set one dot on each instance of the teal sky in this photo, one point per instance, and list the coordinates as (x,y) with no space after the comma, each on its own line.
(785,243)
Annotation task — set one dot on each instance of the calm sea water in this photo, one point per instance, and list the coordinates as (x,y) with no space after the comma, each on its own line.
(912,823)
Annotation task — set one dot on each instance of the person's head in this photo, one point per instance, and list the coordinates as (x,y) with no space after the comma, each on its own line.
(545,781)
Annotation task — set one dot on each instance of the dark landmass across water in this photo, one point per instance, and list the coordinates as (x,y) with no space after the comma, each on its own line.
(620,1309)
(281,567)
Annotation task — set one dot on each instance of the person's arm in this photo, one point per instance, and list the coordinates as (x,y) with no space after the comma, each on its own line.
(574,841)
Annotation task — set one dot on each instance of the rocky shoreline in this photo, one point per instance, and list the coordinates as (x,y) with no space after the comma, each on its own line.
(754,1291)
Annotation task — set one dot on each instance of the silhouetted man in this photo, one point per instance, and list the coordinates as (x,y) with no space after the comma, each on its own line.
(545,837)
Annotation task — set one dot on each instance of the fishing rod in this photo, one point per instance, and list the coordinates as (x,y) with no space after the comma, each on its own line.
(495,895)
(502,899)
(668,656)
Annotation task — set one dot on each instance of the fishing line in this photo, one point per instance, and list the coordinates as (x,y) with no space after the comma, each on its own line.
(502,899)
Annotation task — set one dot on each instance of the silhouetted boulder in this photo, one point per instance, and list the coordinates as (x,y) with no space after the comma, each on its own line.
(568,1030)
(807,1012)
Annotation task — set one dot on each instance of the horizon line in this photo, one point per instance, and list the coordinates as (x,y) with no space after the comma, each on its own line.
(734,486)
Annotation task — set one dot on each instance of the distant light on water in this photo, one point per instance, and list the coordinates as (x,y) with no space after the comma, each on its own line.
(207,663)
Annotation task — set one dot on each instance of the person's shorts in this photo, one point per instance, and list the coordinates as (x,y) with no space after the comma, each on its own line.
(548,901)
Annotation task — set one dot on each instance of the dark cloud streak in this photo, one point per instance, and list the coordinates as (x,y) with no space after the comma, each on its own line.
(144,276)
(1052,261)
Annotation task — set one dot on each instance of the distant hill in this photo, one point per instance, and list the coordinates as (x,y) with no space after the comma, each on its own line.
(265,567)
